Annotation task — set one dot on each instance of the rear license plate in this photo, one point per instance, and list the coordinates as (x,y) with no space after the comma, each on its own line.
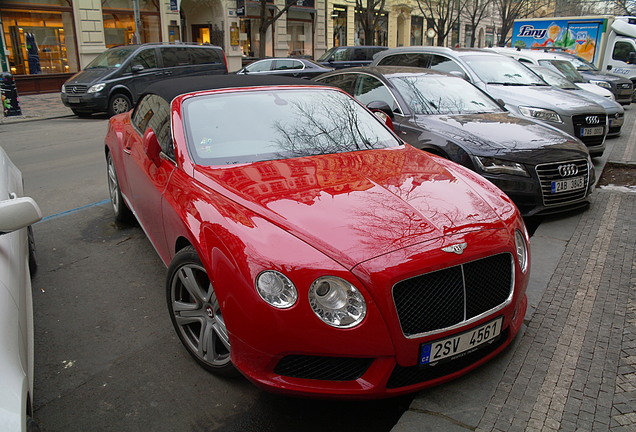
(73,100)
(462,343)
(568,184)
(592,131)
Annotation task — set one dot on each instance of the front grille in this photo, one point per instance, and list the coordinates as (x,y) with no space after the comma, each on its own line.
(74,89)
(323,368)
(624,86)
(451,296)
(405,376)
(589,121)
(550,172)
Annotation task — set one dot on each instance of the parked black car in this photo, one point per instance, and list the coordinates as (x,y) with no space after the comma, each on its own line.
(114,80)
(349,56)
(542,169)
(294,67)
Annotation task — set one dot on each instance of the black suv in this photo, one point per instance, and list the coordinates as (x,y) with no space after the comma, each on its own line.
(114,81)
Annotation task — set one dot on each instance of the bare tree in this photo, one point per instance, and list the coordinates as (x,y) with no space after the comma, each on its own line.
(445,15)
(474,12)
(368,13)
(268,17)
(625,7)
(510,10)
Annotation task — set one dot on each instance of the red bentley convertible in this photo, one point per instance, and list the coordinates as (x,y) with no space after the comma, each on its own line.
(310,248)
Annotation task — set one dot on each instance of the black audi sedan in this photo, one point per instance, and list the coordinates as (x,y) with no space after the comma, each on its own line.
(542,169)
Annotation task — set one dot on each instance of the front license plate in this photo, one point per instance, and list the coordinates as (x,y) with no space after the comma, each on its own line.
(592,131)
(461,343)
(73,100)
(568,184)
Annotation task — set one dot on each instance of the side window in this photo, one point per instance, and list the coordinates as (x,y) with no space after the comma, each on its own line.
(260,66)
(444,64)
(622,50)
(205,56)
(359,54)
(175,56)
(345,81)
(370,89)
(154,112)
(413,59)
(342,55)
(146,58)
(287,64)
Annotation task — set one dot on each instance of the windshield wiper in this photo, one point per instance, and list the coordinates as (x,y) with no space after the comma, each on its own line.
(508,83)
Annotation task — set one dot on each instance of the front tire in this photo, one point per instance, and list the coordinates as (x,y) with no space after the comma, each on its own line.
(119,103)
(121,210)
(196,313)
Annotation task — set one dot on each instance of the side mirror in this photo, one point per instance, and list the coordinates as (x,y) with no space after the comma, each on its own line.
(631,59)
(151,146)
(18,213)
(501,102)
(137,68)
(460,74)
(381,106)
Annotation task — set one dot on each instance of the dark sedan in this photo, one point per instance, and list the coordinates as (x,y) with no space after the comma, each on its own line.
(293,67)
(541,168)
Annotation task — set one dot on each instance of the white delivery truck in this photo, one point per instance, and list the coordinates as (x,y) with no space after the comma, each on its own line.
(608,42)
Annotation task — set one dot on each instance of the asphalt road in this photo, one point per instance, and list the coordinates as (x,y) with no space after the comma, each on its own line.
(106,356)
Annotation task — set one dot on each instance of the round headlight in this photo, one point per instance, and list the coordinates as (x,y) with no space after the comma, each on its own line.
(276,289)
(337,302)
(522,250)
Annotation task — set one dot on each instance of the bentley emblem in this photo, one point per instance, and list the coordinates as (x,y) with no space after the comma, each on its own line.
(592,120)
(456,248)
(568,170)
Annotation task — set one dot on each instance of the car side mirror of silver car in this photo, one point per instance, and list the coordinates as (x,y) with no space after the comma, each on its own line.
(18,213)
(460,74)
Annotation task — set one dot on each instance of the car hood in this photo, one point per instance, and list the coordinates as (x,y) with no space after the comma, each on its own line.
(359,205)
(543,97)
(90,76)
(505,136)
(591,74)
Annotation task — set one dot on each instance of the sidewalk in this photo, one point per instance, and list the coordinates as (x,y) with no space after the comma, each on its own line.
(38,107)
(573,365)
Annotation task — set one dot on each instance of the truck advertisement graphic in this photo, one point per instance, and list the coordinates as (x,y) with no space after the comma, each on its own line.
(576,37)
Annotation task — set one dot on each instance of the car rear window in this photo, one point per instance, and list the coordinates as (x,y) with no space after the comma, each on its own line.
(259,125)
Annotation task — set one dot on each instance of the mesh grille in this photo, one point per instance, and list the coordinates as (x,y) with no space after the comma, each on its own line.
(405,376)
(583,121)
(323,368)
(447,297)
(549,172)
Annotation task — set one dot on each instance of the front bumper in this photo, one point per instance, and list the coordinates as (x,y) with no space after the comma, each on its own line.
(86,102)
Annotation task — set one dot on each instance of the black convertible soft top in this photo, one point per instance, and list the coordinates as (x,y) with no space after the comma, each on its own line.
(171,88)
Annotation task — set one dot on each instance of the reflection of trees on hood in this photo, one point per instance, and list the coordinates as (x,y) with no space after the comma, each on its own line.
(325,125)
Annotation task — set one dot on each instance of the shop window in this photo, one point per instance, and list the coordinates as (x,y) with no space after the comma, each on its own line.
(119,22)
(39,42)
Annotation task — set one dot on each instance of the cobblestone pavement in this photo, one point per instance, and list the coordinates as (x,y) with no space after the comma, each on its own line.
(574,367)
(40,106)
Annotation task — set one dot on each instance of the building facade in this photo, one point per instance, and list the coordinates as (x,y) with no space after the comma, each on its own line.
(43,42)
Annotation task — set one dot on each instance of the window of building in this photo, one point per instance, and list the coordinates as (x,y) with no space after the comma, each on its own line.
(39,41)
(339,18)
(417,30)
(119,22)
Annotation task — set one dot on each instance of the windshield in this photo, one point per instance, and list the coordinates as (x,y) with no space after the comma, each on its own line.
(553,78)
(112,58)
(499,69)
(565,68)
(581,64)
(283,123)
(326,55)
(426,94)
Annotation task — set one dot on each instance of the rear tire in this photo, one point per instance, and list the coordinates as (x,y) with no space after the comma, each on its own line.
(119,103)
(121,210)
